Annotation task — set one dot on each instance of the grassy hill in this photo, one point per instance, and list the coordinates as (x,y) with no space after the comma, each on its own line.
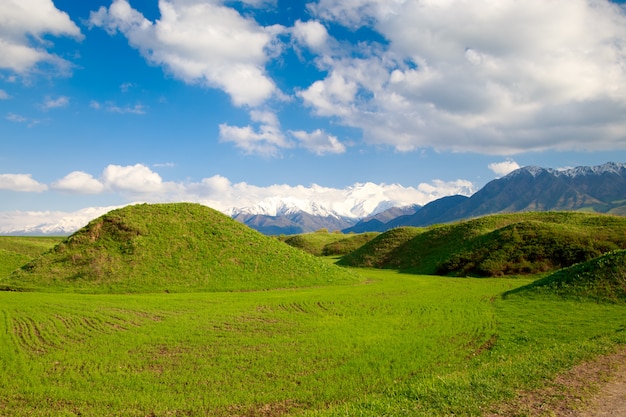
(322,243)
(16,251)
(171,247)
(505,244)
(601,279)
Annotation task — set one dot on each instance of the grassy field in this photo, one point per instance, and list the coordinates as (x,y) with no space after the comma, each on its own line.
(394,345)
(260,329)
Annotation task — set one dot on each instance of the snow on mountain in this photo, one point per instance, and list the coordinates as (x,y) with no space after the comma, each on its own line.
(354,202)
(609,167)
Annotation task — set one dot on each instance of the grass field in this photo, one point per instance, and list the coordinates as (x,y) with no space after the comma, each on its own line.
(392,345)
(256,328)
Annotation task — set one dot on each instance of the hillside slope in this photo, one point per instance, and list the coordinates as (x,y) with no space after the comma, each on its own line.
(505,244)
(171,247)
(601,279)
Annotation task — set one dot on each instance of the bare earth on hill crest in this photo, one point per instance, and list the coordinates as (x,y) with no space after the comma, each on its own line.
(596,388)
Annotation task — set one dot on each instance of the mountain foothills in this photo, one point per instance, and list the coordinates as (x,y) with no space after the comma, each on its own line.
(494,245)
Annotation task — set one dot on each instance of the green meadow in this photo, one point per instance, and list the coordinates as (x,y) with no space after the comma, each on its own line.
(371,342)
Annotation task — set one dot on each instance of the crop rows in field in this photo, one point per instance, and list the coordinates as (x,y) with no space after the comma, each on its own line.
(44,332)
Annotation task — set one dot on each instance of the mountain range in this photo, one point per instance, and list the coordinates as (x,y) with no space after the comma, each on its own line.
(600,189)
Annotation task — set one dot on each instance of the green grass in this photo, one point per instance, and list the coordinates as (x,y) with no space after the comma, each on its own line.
(322,243)
(171,247)
(602,279)
(16,251)
(508,244)
(395,345)
(316,341)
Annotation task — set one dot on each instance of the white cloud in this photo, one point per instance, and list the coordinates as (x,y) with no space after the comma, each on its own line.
(492,77)
(50,103)
(319,142)
(53,222)
(21,182)
(78,182)
(266,140)
(4,95)
(200,42)
(137,183)
(312,34)
(137,179)
(23,23)
(503,168)
(358,200)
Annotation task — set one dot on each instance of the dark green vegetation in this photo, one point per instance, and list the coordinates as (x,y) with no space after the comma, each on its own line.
(171,247)
(602,279)
(507,244)
(322,243)
(370,343)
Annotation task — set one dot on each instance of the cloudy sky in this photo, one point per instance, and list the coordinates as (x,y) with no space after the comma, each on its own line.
(225,102)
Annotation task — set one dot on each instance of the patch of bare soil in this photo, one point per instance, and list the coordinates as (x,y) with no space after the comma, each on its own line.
(595,388)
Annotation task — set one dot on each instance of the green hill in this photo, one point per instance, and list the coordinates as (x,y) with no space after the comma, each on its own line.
(602,279)
(322,243)
(380,252)
(505,244)
(171,247)
(16,251)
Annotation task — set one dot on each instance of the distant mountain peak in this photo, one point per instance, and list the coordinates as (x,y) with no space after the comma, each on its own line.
(535,171)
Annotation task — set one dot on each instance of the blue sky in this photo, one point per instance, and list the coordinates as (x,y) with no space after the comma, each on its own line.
(228,103)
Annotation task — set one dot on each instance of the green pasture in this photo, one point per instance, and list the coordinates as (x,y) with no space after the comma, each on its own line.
(391,345)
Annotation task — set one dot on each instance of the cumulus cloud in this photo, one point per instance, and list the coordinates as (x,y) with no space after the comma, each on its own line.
(357,200)
(48,221)
(311,34)
(23,24)
(265,139)
(136,178)
(202,43)
(503,168)
(319,142)
(4,95)
(492,77)
(78,182)
(21,182)
(138,183)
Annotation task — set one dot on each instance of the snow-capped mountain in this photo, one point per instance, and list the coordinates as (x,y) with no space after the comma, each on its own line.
(355,202)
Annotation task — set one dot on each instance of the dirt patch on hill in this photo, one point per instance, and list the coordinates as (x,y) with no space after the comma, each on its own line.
(595,388)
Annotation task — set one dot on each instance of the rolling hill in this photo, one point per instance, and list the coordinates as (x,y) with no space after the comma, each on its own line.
(505,244)
(600,279)
(171,247)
